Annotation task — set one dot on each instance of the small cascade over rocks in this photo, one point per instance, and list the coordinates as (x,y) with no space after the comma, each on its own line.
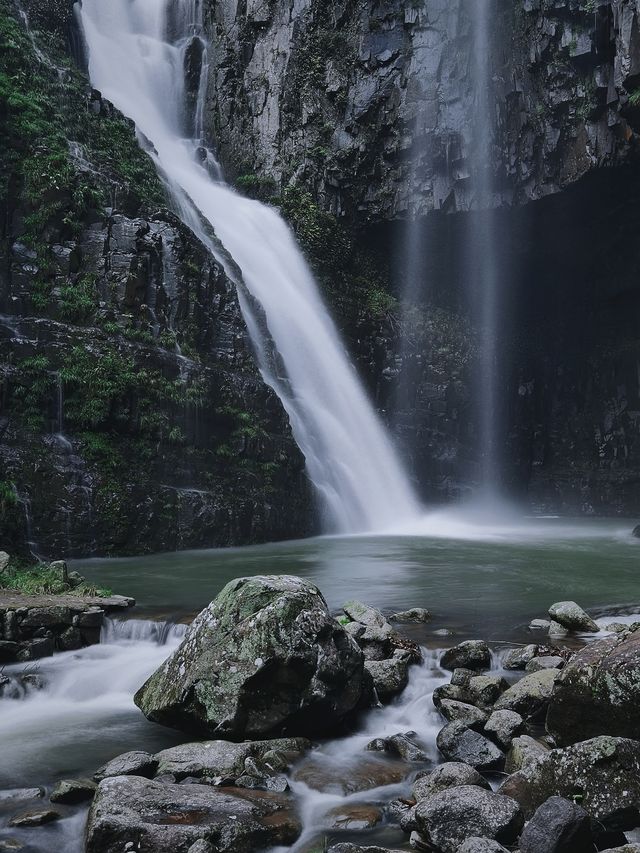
(141,630)
(149,59)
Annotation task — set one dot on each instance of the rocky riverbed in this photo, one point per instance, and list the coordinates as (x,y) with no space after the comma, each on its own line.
(341,733)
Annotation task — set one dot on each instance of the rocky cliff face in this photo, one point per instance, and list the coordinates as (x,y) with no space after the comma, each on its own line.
(132,414)
(371,107)
(370,104)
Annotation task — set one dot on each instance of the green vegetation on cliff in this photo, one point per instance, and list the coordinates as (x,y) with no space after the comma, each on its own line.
(346,271)
(135,417)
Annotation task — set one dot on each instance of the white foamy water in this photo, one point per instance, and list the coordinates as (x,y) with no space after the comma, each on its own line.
(86,706)
(349,457)
(83,716)
(339,759)
(500,523)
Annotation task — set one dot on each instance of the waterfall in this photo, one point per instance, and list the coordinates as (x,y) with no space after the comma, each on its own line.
(142,58)
(482,267)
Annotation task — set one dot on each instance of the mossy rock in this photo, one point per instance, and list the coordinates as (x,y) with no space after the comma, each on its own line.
(264,658)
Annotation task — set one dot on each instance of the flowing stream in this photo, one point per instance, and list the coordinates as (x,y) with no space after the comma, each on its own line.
(477,581)
(138,51)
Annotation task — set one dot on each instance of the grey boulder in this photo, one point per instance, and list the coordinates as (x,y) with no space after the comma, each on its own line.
(481,845)
(169,818)
(448,819)
(458,743)
(134,763)
(503,726)
(557,826)
(529,696)
(452,774)
(462,712)
(598,692)
(519,658)
(471,654)
(405,745)
(524,750)
(220,760)
(264,658)
(605,770)
(414,614)
(572,617)
(390,677)
(73,791)
(545,662)
(38,817)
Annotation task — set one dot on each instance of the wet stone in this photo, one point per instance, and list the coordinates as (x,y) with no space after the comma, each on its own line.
(539,624)
(530,695)
(471,654)
(415,614)
(481,845)
(558,826)
(545,662)
(222,760)
(524,750)
(406,746)
(462,712)
(364,614)
(10,845)
(485,690)
(34,818)
(358,816)
(169,818)
(390,677)
(503,726)
(73,791)
(458,743)
(460,677)
(451,817)
(241,646)
(451,774)
(360,776)
(16,794)
(128,764)
(519,658)
(572,617)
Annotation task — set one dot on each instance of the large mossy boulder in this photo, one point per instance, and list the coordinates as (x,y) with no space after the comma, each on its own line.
(598,692)
(602,774)
(265,658)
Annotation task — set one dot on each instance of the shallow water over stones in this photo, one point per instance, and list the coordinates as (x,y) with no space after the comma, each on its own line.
(486,587)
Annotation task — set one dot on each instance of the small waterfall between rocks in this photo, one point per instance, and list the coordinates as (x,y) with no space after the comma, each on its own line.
(149,58)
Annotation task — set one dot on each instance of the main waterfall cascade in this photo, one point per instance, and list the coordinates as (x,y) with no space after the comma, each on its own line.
(143,56)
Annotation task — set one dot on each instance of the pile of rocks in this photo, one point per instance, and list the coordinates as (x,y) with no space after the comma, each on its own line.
(35,626)
(387,654)
(573,789)
(267,657)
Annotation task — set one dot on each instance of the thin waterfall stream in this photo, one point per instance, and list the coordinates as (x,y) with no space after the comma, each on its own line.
(138,50)
(481,252)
